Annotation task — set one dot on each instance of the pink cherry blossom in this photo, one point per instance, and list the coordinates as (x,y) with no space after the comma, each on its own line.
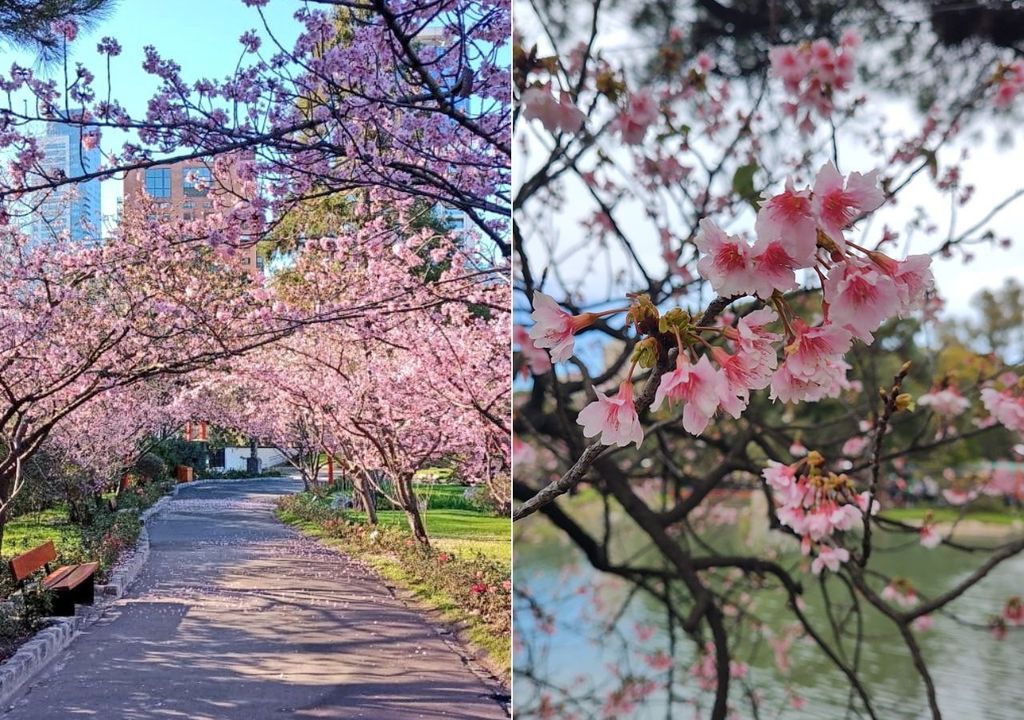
(789,64)
(829,557)
(523,453)
(860,296)
(930,536)
(741,373)
(751,336)
(956,496)
(773,268)
(1005,481)
(900,592)
(912,276)
(727,263)
(815,350)
(862,500)
(659,661)
(614,418)
(556,115)
(778,475)
(923,623)
(1006,406)
(837,204)
(537,361)
(827,380)
(854,446)
(947,402)
(555,328)
(699,387)
(643,633)
(1010,85)
(846,517)
(788,218)
(640,112)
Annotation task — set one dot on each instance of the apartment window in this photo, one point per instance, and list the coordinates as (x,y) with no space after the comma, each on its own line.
(158,182)
(196,181)
(188,204)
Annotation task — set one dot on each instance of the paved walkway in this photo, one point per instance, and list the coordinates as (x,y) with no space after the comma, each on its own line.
(237,616)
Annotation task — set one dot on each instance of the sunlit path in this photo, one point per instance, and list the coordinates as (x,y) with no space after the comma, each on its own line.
(237,616)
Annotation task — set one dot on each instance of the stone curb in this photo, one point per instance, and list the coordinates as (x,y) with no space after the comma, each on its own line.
(46,644)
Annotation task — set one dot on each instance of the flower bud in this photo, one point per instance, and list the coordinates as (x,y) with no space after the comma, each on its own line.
(675,319)
(642,313)
(646,353)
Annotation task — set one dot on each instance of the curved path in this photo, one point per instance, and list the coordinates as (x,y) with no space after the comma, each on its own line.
(237,616)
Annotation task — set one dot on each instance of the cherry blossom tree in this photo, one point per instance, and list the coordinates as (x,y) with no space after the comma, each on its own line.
(409,97)
(747,302)
(396,109)
(374,392)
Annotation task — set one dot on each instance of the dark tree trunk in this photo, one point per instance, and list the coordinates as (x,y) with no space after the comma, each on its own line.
(367,498)
(406,495)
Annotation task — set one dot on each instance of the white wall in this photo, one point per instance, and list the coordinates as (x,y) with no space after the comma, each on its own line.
(235,457)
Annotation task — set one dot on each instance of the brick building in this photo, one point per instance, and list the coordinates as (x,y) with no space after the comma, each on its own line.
(185,190)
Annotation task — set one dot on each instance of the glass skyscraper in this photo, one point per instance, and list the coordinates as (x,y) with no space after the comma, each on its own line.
(73,209)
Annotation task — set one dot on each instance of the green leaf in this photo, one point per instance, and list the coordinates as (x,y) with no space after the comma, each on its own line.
(743,185)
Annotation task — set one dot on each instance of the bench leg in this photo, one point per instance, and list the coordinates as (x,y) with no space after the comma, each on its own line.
(63,604)
(85,593)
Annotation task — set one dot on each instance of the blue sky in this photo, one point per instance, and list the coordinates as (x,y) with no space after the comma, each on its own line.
(201,36)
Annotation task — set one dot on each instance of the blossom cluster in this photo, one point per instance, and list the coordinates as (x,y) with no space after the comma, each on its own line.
(796,229)
(817,504)
(901,592)
(813,73)
(946,401)
(556,114)
(1010,83)
(705,672)
(1006,405)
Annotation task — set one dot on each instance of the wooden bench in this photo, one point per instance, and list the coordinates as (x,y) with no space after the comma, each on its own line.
(72,584)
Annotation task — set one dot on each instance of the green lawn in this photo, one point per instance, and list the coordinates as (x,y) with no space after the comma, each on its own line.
(27,531)
(463,532)
(947,514)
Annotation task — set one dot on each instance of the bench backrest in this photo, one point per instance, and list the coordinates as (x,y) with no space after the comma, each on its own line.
(27,563)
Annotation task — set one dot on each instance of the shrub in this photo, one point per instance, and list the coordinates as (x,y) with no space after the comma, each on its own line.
(151,466)
(482,499)
(110,534)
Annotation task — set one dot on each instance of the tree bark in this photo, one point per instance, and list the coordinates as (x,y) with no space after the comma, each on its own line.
(365,494)
(403,487)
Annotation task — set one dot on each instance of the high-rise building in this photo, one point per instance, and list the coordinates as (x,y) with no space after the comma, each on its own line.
(184,190)
(429,43)
(71,210)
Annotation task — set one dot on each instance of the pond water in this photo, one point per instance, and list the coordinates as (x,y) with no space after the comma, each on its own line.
(594,637)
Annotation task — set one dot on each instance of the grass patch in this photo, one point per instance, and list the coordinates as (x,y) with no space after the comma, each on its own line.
(462,532)
(33,529)
(947,514)
(433,496)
